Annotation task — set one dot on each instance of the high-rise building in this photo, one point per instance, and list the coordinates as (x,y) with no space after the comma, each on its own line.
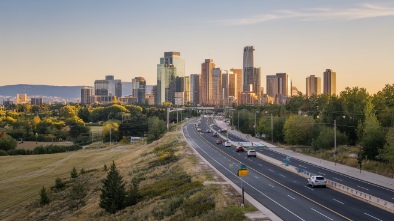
(279,86)
(206,82)
(238,74)
(171,67)
(329,82)
(186,89)
(108,87)
(217,97)
(138,87)
(313,85)
(86,95)
(251,76)
(194,88)
(36,101)
(21,98)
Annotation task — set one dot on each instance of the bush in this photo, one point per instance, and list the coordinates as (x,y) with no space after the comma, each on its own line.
(59,184)
(44,199)
(74,173)
(7,142)
(3,153)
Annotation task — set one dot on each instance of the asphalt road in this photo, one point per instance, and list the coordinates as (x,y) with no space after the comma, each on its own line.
(283,192)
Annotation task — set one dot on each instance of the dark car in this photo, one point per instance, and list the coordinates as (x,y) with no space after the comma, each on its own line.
(219,142)
(240,149)
(215,134)
(208,131)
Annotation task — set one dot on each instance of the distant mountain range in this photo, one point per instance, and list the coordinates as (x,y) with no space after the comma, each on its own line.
(51,93)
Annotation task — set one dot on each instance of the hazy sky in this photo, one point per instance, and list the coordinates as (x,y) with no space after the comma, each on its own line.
(74,42)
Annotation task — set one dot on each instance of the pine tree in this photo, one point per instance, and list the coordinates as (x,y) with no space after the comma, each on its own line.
(113,192)
(74,173)
(44,199)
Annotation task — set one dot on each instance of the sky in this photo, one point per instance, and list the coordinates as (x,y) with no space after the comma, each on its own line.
(73,42)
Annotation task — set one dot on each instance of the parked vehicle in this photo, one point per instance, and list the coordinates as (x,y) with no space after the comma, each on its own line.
(317,181)
(252,153)
(240,149)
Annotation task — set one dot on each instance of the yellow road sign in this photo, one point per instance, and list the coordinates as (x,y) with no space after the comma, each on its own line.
(242,172)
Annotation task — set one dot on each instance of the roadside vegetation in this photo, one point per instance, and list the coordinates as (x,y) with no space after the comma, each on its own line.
(364,126)
(158,181)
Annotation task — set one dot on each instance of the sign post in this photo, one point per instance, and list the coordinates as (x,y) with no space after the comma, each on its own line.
(242,171)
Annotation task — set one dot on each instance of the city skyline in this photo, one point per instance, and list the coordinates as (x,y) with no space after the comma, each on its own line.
(83,41)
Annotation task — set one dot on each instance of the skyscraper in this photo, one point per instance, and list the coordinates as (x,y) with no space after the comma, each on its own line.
(279,86)
(108,87)
(194,88)
(86,95)
(21,98)
(138,85)
(329,82)
(313,85)
(206,81)
(251,76)
(217,90)
(171,66)
(238,76)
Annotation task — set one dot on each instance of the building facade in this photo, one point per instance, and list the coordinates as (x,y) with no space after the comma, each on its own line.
(251,76)
(169,71)
(86,95)
(194,89)
(138,89)
(21,99)
(329,82)
(205,93)
(108,87)
(313,85)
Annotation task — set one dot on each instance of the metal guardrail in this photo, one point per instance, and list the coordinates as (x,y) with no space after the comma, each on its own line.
(353,192)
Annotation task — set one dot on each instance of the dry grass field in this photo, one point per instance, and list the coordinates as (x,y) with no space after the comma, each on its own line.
(22,177)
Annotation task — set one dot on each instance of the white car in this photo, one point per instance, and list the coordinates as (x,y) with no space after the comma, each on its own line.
(317,181)
(252,153)
(227,144)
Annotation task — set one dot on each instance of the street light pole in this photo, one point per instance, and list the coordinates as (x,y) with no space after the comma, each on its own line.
(238,120)
(110,139)
(272,129)
(255,125)
(335,141)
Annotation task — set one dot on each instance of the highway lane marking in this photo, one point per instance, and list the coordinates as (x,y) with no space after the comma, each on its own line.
(338,201)
(322,173)
(282,175)
(337,179)
(260,165)
(302,166)
(271,170)
(309,188)
(373,217)
(322,214)
(363,188)
(256,177)
(249,184)
(291,197)
(270,185)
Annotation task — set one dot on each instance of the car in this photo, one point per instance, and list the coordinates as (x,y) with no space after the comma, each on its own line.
(199,129)
(208,131)
(252,153)
(317,181)
(223,130)
(219,142)
(215,134)
(227,144)
(240,149)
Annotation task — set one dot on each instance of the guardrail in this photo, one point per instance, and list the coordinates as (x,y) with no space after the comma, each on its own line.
(353,192)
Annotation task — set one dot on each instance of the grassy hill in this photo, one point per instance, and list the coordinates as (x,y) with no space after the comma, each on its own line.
(170,180)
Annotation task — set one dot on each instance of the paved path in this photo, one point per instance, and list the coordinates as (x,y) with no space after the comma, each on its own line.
(350,171)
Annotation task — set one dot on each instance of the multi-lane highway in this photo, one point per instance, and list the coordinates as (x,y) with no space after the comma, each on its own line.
(283,192)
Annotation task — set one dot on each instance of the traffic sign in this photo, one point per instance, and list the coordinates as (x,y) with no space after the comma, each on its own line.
(242,172)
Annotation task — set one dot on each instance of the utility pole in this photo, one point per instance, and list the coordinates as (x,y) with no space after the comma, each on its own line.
(272,129)
(335,141)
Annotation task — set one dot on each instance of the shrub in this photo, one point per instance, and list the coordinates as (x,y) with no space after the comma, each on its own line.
(59,184)
(74,173)
(7,142)
(3,153)
(77,195)
(44,199)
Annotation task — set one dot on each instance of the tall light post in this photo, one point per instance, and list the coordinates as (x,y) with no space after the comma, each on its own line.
(335,141)
(272,129)
(238,120)
(255,125)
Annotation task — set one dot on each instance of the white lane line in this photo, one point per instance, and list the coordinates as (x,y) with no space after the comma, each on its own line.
(271,185)
(302,166)
(338,201)
(322,173)
(256,177)
(291,197)
(321,214)
(372,217)
(260,165)
(309,188)
(285,208)
(337,179)
(282,175)
(363,188)
(271,170)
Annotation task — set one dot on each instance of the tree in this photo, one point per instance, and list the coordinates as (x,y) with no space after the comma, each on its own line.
(297,129)
(77,195)
(7,142)
(372,135)
(113,192)
(156,127)
(388,149)
(74,173)
(44,199)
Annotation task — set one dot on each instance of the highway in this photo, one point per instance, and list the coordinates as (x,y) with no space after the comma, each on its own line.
(361,185)
(283,192)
